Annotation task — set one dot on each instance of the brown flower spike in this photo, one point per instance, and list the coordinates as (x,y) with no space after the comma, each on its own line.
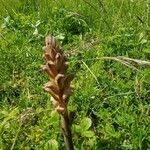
(56,67)
(59,85)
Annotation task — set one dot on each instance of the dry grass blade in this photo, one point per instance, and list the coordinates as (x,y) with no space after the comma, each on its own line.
(135,62)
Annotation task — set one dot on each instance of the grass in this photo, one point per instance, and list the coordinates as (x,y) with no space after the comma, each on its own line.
(111,98)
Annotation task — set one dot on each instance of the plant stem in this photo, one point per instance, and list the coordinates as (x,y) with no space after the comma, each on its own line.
(66,130)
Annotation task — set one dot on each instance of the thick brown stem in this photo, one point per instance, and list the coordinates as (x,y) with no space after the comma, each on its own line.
(66,130)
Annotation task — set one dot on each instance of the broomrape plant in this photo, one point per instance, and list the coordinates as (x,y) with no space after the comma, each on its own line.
(59,85)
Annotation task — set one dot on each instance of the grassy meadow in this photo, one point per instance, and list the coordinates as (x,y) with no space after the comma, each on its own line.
(111,98)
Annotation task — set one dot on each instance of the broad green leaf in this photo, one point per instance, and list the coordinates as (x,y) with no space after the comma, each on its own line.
(143,41)
(85,123)
(54,117)
(87,134)
(77,128)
